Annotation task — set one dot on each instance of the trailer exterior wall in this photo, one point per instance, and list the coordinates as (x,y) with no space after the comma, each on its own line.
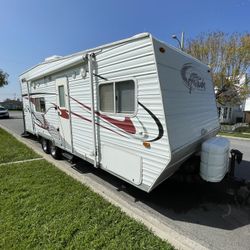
(132,60)
(174,113)
(135,60)
(188,101)
(46,89)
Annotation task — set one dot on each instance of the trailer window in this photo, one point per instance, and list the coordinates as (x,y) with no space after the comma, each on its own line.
(117,97)
(61,96)
(125,97)
(40,105)
(107,97)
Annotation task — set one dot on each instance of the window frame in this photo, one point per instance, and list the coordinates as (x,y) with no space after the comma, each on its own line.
(114,96)
(230,113)
(99,99)
(225,113)
(38,98)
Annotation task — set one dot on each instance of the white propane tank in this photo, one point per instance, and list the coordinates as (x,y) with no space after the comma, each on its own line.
(214,159)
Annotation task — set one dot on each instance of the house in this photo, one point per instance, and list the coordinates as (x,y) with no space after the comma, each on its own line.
(246,104)
(246,109)
(235,113)
(230,114)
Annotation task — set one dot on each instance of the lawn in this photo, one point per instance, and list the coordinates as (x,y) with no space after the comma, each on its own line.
(43,208)
(243,132)
(13,150)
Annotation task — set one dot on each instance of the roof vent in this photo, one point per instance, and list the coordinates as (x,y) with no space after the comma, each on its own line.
(141,35)
(52,58)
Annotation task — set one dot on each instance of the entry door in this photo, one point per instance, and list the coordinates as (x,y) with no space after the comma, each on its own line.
(63,113)
(27,112)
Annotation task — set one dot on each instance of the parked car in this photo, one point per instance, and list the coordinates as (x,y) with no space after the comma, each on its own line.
(4,113)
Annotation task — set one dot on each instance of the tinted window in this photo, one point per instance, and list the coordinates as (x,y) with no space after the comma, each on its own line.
(107,98)
(40,104)
(125,97)
(225,113)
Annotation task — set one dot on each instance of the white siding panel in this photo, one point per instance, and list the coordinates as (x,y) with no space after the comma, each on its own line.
(189,115)
(46,90)
(132,60)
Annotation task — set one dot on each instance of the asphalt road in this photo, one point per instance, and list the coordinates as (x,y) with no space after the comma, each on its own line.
(204,212)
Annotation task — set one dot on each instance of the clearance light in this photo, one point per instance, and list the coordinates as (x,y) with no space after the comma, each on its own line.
(162,50)
(146,144)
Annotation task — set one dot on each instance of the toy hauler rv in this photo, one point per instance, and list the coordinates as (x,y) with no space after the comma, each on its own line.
(137,108)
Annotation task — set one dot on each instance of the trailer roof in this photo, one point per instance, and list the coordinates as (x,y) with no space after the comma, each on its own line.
(48,67)
(59,63)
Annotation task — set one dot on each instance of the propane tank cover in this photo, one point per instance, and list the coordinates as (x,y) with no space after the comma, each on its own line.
(214,159)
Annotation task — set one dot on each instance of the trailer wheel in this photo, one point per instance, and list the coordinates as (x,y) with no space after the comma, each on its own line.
(55,152)
(45,145)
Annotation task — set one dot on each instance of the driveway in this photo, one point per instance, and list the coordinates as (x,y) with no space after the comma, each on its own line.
(201,211)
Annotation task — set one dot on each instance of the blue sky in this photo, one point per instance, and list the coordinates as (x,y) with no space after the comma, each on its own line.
(32,30)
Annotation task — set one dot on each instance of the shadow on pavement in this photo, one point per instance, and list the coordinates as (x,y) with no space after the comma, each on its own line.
(15,117)
(11,118)
(196,202)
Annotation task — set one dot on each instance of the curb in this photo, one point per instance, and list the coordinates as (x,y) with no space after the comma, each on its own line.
(233,137)
(140,214)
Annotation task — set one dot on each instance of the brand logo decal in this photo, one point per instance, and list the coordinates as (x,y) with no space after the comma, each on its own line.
(192,78)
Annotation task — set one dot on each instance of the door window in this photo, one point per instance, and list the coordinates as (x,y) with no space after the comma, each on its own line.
(61,96)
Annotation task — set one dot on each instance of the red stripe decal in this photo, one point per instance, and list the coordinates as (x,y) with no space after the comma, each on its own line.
(126,125)
(86,119)
(63,113)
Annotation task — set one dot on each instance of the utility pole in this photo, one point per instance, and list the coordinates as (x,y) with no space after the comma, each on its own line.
(181,43)
(182,40)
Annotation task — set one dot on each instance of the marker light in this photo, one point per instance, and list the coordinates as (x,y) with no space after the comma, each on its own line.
(146,144)
(162,50)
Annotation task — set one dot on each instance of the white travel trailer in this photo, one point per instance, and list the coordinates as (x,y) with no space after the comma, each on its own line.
(137,108)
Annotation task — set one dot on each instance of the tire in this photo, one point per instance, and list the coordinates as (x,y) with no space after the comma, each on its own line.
(45,146)
(55,152)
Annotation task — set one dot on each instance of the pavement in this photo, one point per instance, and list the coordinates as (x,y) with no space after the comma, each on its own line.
(190,215)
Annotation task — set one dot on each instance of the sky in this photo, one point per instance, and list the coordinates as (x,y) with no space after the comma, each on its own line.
(32,30)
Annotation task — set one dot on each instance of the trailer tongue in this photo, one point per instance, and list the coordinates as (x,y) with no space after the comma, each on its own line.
(214,159)
(238,187)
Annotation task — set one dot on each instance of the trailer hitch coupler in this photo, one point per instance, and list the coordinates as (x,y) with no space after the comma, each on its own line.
(236,155)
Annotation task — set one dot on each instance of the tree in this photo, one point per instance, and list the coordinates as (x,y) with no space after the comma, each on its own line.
(229,59)
(3,78)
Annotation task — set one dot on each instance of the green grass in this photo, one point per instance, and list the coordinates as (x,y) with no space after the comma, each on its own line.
(235,134)
(43,208)
(243,130)
(12,150)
